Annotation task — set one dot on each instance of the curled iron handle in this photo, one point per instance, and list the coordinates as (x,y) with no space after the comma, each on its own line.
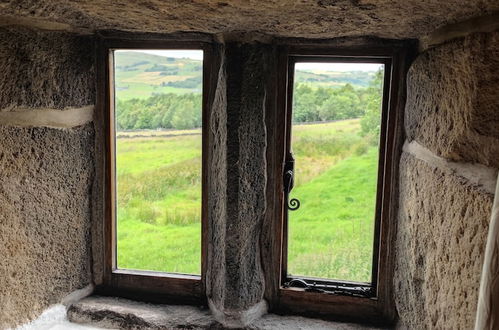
(293,204)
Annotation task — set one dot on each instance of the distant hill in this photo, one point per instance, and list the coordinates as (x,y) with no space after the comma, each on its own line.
(335,79)
(141,75)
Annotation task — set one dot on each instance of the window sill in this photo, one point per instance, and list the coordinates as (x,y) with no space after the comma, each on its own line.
(110,312)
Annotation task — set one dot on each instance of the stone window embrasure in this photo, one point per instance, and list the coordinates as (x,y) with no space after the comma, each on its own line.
(233,109)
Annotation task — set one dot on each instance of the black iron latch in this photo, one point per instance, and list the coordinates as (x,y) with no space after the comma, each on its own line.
(343,289)
(288,179)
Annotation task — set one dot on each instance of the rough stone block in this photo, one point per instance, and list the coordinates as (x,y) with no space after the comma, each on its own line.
(108,312)
(46,69)
(442,229)
(45,182)
(235,280)
(453,99)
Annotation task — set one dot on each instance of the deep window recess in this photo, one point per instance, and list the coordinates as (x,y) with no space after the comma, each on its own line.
(336,183)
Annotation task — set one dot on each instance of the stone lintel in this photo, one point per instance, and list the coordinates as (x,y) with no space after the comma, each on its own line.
(453,100)
(486,23)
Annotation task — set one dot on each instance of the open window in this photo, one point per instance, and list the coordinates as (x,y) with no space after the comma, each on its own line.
(338,151)
(333,167)
(156,175)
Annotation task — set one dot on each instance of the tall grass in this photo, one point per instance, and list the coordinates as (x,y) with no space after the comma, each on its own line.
(331,234)
(159,202)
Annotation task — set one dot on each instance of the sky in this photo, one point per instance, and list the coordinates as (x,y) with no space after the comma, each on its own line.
(338,66)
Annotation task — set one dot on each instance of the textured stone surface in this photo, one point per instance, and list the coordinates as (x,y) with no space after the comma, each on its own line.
(126,314)
(237,206)
(41,69)
(485,23)
(442,228)
(453,99)
(45,184)
(315,18)
(54,318)
(215,273)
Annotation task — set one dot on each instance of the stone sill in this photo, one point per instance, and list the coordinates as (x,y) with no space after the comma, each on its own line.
(118,313)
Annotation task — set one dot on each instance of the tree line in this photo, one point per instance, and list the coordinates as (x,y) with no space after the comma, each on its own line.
(183,111)
(177,111)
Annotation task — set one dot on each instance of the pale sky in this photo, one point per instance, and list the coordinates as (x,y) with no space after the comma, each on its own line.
(342,67)
(178,53)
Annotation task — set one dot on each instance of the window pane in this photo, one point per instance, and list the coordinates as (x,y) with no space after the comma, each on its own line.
(335,141)
(158,159)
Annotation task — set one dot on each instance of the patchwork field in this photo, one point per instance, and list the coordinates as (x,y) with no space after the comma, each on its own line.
(331,234)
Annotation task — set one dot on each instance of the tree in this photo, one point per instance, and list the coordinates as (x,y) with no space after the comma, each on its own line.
(371,122)
(160,111)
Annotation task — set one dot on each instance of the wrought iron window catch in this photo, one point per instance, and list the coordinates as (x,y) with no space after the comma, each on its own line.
(289,168)
(330,288)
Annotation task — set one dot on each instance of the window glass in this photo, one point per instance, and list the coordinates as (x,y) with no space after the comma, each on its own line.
(335,132)
(158,116)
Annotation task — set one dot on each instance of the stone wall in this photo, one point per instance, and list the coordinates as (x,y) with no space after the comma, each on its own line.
(235,278)
(50,190)
(447,174)
(46,163)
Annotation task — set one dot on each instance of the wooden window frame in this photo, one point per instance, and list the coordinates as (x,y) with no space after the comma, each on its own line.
(379,308)
(138,284)
(174,288)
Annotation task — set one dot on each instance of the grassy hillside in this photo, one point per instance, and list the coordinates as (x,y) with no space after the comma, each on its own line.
(140,75)
(334,79)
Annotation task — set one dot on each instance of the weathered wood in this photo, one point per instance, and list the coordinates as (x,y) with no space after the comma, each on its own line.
(332,307)
(122,282)
(380,309)
(487,316)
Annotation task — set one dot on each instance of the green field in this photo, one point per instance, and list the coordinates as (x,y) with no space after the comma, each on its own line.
(330,235)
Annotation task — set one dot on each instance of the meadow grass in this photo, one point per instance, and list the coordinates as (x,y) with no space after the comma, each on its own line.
(159,202)
(139,90)
(331,234)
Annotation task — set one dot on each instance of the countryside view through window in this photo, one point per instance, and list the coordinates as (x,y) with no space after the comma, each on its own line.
(335,141)
(158,159)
